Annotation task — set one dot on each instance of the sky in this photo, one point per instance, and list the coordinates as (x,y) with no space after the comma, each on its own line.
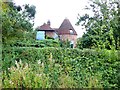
(56,11)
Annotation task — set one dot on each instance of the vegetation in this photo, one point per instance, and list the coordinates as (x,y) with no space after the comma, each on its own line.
(59,67)
(35,43)
(28,63)
(102,29)
(15,25)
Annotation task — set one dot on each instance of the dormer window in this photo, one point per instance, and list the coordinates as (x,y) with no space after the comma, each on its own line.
(71,31)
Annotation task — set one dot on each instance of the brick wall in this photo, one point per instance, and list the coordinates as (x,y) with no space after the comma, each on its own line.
(69,38)
(50,33)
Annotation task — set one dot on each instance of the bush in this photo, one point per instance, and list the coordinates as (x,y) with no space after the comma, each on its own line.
(67,67)
(23,75)
(37,43)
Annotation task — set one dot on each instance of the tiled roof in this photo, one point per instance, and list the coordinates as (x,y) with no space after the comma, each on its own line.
(66,27)
(45,27)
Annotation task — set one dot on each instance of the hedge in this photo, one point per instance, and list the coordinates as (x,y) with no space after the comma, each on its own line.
(80,65)
(31,54)
(35,43)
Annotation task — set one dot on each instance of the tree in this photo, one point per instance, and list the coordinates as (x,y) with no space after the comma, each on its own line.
(15,25)
(30,10)
(102,29)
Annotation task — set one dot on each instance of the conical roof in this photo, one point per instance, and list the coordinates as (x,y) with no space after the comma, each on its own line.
(66,27)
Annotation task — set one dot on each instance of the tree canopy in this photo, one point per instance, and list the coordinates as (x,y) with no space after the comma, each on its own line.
(16,21)
(103,28)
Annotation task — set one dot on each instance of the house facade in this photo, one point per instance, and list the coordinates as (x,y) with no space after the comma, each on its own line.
(64,32)
(67,32)
(44,31)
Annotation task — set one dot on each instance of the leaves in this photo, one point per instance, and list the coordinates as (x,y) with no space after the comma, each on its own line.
(60,67)
(14,24)
(103,25)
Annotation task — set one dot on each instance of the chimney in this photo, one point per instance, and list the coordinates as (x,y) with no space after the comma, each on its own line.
(48,22)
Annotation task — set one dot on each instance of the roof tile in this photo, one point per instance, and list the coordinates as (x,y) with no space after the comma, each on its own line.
(65,28)
(45,27)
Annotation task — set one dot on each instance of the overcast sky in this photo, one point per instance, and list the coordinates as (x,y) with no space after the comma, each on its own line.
(56,11)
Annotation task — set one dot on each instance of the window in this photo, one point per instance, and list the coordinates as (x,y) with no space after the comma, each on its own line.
(71,31)
(40,35)
(55,36)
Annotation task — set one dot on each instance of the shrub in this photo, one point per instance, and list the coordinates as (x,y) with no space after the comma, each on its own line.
(23,75)
(83,68)
(37,43)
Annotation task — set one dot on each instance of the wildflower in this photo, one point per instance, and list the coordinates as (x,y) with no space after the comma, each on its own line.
(39,61)
(16,63)
(42,64)
(39,75)
(11,82)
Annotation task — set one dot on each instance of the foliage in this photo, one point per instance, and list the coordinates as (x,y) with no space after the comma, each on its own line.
(48,43)
(24,76)
(79,43)
(65,44)
(47,37)
(35,43)
(14,24)
(30,10)
(25,66)
(70,68)
(102,29)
